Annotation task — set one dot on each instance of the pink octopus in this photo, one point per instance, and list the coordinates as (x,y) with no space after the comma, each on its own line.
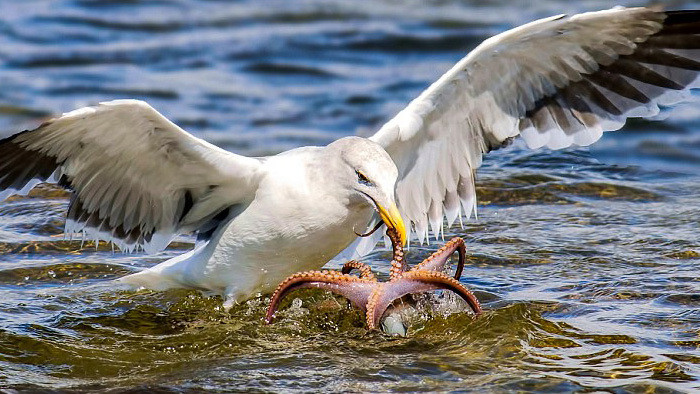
(373,297)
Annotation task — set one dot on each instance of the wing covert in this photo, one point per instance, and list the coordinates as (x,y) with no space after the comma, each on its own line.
(137,178)
(555,82)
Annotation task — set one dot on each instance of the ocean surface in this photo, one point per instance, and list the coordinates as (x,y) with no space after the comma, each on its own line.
(587,260)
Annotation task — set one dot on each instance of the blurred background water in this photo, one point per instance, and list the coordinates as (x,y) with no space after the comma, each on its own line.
(586,260)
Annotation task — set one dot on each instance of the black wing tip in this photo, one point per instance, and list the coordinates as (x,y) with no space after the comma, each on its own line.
(20,165)
(686,22)
(676,17)
(10,138)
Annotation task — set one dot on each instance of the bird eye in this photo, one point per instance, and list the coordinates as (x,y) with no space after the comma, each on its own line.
(362,178)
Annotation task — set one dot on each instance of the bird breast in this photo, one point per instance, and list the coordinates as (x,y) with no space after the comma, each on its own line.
(292,225)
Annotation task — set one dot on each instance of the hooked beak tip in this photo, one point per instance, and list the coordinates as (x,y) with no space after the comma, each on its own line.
(392,218)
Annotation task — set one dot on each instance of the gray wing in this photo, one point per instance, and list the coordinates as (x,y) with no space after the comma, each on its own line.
(137,178)
(555,82)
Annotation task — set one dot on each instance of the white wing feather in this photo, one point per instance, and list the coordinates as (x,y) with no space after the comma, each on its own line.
(138,179)
(555,82)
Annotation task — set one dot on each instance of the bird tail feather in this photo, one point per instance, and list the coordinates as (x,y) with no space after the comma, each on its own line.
(170,274)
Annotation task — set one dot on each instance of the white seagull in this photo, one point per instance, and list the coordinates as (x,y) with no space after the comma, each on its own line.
(138,180)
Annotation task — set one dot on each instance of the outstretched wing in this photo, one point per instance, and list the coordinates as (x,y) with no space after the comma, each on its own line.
(555,82)
(137,178)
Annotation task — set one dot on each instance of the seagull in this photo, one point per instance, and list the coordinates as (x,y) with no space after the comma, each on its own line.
(138,180)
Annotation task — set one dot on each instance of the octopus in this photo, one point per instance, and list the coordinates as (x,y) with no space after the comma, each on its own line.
(373,297)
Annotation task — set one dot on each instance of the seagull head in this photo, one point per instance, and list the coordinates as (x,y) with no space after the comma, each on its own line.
(369,178)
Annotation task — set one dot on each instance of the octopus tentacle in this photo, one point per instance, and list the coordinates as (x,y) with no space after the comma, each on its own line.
(413,282)
(398,263)
(436,261)
(355,289)
(365,270)
(447,282)
(375,297)
(374,300)
(370,232)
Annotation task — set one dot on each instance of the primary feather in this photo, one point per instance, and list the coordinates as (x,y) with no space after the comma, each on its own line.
(555,82)
(137,178)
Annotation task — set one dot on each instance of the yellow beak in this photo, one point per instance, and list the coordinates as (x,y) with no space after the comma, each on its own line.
(392,218)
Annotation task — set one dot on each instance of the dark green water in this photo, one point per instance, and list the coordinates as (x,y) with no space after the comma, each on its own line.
(586,260)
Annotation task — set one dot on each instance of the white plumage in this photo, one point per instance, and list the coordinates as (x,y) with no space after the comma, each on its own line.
(138,179)
(542,81)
